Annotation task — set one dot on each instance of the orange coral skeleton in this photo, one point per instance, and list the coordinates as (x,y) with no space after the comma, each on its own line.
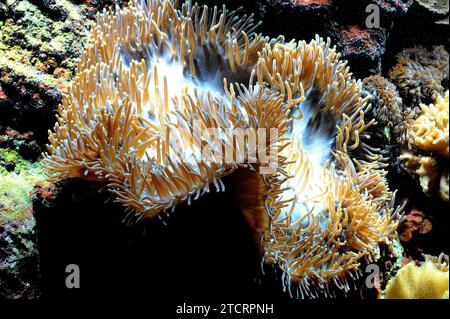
(152,67)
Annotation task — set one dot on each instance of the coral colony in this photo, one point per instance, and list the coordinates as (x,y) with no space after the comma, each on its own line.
(159,93)
(429,281)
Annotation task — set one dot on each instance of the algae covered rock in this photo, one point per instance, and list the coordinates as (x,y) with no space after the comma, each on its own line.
(40,43)
(18,250)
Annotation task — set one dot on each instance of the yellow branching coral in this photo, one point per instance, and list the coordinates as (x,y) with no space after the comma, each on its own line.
(428,281)
(162,94)
(430,133)
(419,73)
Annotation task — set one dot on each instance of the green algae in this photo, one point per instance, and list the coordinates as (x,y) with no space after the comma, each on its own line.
(39,48)
(43,50)
(398,262)
(16,186)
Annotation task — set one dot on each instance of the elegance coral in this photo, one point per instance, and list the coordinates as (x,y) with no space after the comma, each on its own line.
(428,281)
(151,108)
(419,73)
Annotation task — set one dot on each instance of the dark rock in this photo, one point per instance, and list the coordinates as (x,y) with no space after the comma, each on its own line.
(3,11)
(10,166)
(30,151)
(50,7)
(205,249)
(28,106)
(19,272)
(96,6)
(362,47)
(349,12)
(298,20)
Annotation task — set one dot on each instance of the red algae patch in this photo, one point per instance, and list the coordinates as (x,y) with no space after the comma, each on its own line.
(354,40)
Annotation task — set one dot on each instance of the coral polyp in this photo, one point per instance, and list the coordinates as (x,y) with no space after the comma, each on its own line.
(161,91)
(420,73)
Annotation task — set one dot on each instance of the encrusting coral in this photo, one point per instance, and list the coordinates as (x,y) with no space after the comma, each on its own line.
(151,109)
(427,281)
(419,74)
(428,147)
(422,133)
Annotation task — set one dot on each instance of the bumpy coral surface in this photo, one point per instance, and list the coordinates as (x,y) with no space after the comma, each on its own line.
(156,80)
(18,249)
(40,43)
(430,132)
(428,281)
(429,147)
(17,179)
(432,178)
(394,5)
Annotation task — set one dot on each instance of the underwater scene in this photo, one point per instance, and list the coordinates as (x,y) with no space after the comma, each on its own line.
(222,158)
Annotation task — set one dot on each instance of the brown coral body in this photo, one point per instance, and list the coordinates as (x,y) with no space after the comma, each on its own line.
(420,76)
